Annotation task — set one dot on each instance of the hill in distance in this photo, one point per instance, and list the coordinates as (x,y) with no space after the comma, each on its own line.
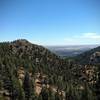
(32,72)
(91,56)
(70,50)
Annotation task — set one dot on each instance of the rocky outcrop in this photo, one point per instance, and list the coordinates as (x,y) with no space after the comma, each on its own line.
(95,58)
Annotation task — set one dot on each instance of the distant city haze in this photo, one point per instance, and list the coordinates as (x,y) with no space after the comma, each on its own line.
(70,51)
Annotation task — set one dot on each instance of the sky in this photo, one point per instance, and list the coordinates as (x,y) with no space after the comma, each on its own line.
(51,22)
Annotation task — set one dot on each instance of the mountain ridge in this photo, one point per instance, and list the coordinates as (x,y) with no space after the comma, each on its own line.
(30,71)
(88,55)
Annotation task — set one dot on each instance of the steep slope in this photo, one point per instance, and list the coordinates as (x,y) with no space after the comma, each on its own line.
(89,57)
(32,72)
(20,59)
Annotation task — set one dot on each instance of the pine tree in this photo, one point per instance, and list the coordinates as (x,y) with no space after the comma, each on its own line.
(26,86)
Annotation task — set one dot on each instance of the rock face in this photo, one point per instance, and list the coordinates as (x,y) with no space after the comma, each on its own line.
(95,57)
(21,75)
(40,82)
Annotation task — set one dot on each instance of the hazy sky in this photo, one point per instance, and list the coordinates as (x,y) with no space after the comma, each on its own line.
(51,22)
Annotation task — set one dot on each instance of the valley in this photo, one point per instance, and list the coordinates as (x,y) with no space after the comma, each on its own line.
(71,50)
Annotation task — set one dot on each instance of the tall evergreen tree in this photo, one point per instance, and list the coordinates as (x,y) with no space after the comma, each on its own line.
(26,86)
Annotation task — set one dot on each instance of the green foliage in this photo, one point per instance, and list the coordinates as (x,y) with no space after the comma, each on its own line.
(26,86)
(63,74)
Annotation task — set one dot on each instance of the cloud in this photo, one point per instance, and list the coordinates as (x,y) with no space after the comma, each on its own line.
(26,33)
(79,39)
(84,38)
(91,36)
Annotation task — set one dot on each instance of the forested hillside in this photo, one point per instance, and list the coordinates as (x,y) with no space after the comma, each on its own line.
(92,56)
(31,72)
